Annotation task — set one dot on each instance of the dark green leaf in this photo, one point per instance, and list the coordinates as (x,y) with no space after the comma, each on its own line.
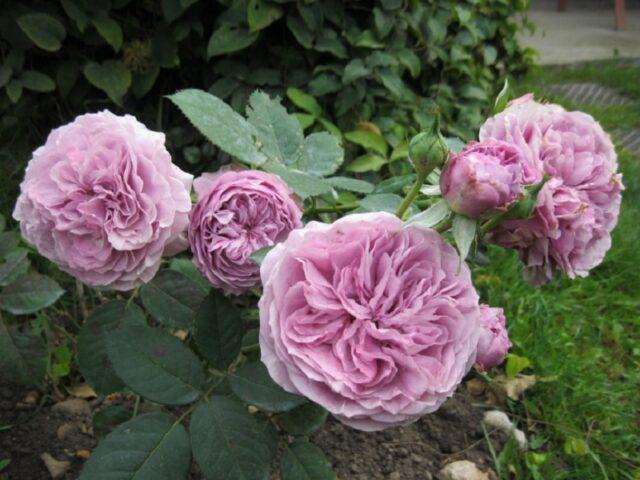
(112,77)
(143,82)
(9,242)
(156,365)
(186,267)
(351,184)
(304,461)
(354,70)
(229,38)
(219,328)
(227,443)
(29,293)
(258,256)
(107,419)
(394,184)
(16,264)
(5,75)
(149,447)
(109,30)
(261,14)
(14,90)
(300,31)
(303,420)
(75,11)
(220,124)
(66,77)
(93,358)
(253,384)
(43,29)
(164,49)
(36,81)
(410,60)
(24,355)
(172,299)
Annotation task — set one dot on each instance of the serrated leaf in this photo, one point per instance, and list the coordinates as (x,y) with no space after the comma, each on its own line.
(109,29)
(303,420)
(29,293)
(149,447)
(227,442)
(303,461)
(156,365)
(261,14)
(16,264)
(381,202)
(395,184)
(253,384)
(24,355)
(219,328)
(432,216)
(320,154)
(303,184)
(369,162)
(258,256)
(112,77)
(304,101)
(351,184)
(186,267)
(220,124)
(43,29)
(93,358)
(229,38)
(36,81)
(464,231)
(368,140)
(280,135)
(172,299)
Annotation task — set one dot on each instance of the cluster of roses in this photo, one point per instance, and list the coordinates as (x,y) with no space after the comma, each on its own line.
(375,320)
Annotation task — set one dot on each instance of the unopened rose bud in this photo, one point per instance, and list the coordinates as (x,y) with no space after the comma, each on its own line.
(428,150)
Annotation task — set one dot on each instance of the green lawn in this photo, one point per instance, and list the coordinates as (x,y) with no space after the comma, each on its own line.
(582,336)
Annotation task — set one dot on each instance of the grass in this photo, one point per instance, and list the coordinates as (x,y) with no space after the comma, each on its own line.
(582,335)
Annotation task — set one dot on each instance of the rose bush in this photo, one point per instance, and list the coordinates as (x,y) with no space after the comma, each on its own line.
(375,322)
(102,199)
(237,213)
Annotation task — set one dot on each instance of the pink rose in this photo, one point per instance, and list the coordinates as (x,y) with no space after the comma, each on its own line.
(493,344)
(566,233)
(576,213)
(102,199)
(483,179)
(376,322)
(237,213)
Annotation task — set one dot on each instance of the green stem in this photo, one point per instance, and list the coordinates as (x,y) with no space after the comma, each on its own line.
(413,193)
(331,208)
(444,226)
(491,223)
(136,406)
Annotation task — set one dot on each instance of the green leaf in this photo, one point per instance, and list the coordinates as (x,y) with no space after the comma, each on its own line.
(331,128)
(303,184)
(172,299)
(410,60)
(36,81)
(261,14)
(149,447)
(109,30)
(279,133)
(369,140)
(368,40)
(354,70)
(16,264)
(5,75)
(9,242)
(186,267)
(304,101)
(105,420)
(490,54)
(219,328)
(432,216)
(29,293)
(143,82)
(304,461)
(330,43)
(253,384)
(258,256)
(394,184)
(229,38)
(303,35)
(381,202)
(305,119)
(112,77)
(227,443)
(516,364)
(61,365)
(220,124)
(43,29)
(164,49)
(464,231)
(503,98)
(321,154)
(66,77)
(93,358)
(3,221)
(75,12)
(24,355)
(14,90)
(574,446)
(303,420)
(156,365)
(351,184)
(369,162)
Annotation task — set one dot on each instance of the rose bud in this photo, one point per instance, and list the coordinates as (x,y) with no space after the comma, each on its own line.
(493,343)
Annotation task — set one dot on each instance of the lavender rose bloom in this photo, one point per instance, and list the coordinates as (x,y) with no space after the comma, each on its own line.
(576,213)
(483,179)
(103,200)
(375,322)
(493,343)
(237,213)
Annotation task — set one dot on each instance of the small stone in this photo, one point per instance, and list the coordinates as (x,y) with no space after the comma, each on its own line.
(72,406)
(56,468)
(463,470)
(498,420)
(475,387)
(31,397)
(65,430)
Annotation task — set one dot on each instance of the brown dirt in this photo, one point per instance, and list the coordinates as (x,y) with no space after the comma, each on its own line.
(414,452)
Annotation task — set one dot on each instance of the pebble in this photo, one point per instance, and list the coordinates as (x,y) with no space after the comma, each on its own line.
(463,470)
(72,406)
(56,468)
